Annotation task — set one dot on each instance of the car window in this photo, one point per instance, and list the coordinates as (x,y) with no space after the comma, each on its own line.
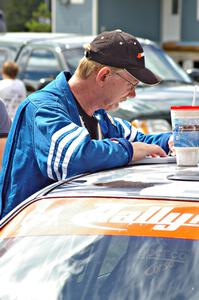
(3,57)
(72,57)
(162,65)
(5,54)
(99,267)
(40,63)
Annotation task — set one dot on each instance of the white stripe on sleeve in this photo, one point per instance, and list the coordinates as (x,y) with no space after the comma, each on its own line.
(70,151)
(54,139)
(70,137)
(132,131)
(133,134)
(127,130)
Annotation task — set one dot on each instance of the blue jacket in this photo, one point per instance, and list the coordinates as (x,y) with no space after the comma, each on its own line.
(48,142)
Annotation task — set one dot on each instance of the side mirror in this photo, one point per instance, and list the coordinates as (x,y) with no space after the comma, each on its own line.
(193,73)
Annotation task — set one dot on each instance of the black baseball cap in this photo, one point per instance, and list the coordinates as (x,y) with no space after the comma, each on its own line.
(122,50)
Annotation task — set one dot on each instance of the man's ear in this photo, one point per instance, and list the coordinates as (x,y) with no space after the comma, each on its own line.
(102,75)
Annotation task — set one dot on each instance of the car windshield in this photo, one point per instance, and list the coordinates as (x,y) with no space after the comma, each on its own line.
(99,267)
(72,57)
(163,66)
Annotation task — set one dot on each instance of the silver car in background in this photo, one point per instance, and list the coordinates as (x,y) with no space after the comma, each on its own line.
(42,56)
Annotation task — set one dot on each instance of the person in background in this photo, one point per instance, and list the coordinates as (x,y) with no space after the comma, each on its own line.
(12,89)
(5,123)
(63,129)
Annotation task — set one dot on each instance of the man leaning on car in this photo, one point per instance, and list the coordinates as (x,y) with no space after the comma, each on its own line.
(63,129)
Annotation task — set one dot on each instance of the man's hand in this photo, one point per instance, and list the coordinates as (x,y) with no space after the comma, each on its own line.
(141,150)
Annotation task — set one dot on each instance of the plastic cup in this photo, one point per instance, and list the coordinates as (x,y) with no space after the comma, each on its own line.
(185,126)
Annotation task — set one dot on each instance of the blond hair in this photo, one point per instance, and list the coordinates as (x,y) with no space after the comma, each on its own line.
(87,67)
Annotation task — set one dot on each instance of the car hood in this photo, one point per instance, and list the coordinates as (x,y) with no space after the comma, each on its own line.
(154,101)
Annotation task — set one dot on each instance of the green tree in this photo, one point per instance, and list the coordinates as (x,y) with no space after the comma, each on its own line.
(41,19)
(19,12)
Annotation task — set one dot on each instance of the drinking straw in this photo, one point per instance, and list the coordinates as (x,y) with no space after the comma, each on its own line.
(194,96)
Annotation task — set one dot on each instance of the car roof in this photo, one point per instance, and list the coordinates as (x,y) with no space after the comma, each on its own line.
(151,178)
(23,37)
(78,39)
(47,38)
(64,41)
(16,41)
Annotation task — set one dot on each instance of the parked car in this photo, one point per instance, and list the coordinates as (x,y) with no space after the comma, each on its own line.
(185,53)
(41,61)
(43,56)
(130,233)
(151,107)
(11,43)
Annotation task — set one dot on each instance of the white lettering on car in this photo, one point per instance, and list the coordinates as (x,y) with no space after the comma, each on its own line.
(163,219)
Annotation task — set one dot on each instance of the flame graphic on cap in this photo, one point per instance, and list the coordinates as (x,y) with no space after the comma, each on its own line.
(140,55)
